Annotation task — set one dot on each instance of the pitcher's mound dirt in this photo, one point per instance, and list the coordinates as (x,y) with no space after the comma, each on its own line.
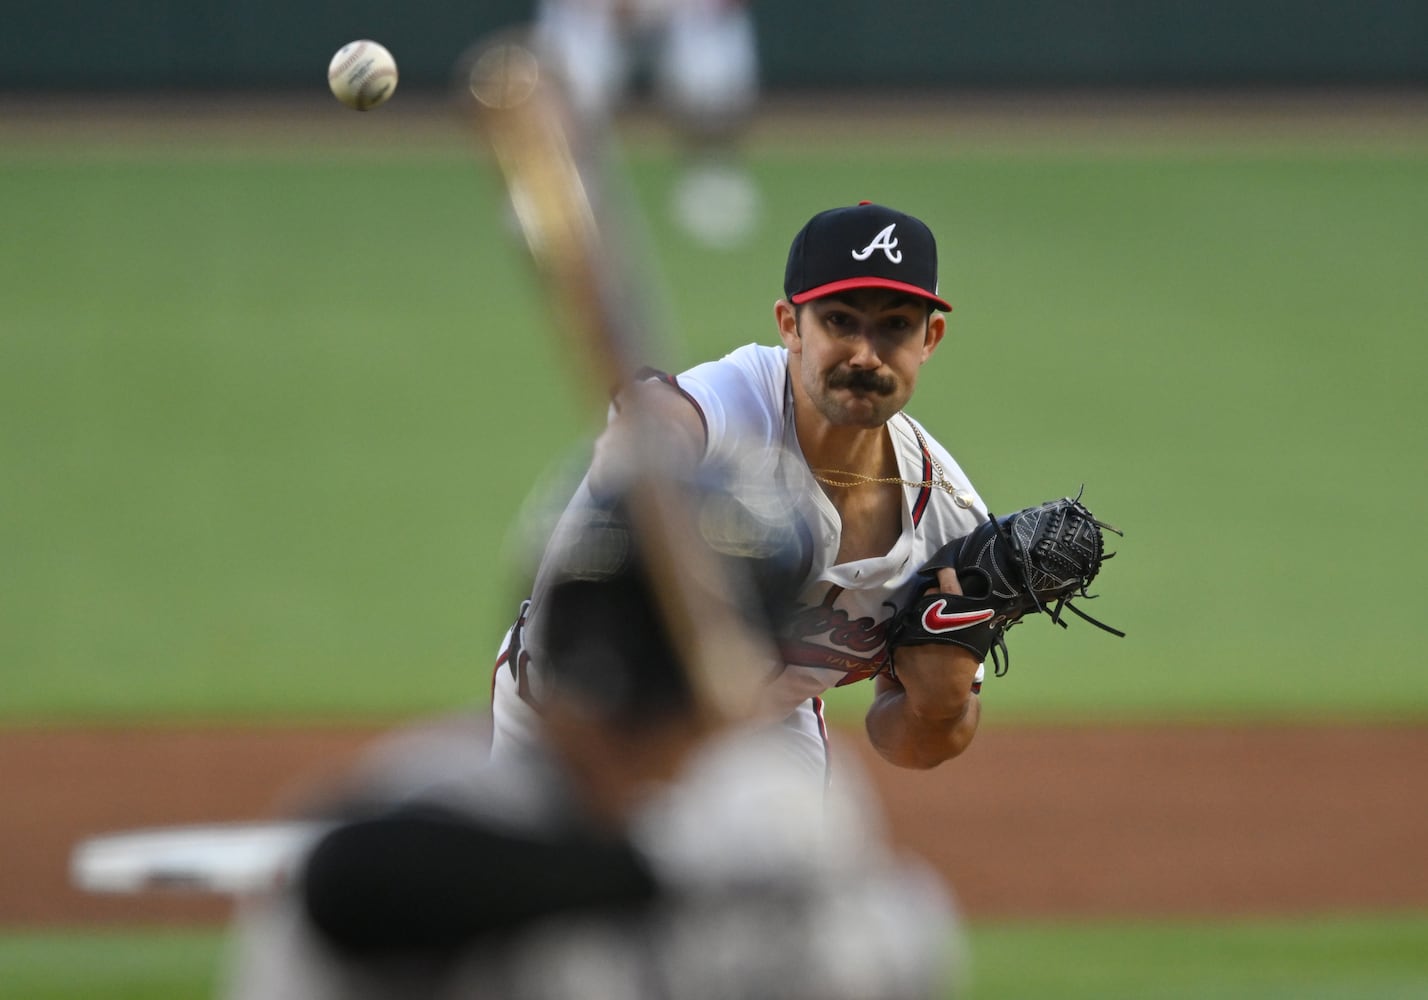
(1049,822)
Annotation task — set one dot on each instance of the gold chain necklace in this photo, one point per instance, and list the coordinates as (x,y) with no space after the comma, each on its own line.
(842,479)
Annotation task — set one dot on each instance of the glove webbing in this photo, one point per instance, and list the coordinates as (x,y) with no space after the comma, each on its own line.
(1049,547)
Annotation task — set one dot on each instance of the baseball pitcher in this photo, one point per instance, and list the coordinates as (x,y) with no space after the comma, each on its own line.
(889,591)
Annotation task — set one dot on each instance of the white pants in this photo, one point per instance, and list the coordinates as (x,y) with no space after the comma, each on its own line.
(704,55)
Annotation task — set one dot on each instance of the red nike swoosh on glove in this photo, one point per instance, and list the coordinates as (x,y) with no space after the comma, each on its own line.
(933,620)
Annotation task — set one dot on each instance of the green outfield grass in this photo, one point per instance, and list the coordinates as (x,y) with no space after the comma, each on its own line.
(1307,959)
(114,964)
(1310,959)
(267,421)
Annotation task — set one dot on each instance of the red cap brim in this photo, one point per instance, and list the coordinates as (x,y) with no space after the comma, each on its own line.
(870,281)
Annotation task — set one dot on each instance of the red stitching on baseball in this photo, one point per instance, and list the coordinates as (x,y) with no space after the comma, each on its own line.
(360,47)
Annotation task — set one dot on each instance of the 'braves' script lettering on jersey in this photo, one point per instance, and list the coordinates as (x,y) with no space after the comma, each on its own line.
(884,241)
(854,668)
(861,635)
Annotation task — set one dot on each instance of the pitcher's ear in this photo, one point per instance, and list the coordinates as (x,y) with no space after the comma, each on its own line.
(786,316)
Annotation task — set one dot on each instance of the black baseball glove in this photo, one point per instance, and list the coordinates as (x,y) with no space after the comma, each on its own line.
(1032,561)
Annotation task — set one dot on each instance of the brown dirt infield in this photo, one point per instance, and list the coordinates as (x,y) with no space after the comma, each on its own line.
(1032,822)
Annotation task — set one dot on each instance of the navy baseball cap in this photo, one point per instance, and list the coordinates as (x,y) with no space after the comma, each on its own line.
(862,246)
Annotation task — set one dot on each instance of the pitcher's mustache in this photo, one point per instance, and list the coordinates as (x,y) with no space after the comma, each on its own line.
(861,381)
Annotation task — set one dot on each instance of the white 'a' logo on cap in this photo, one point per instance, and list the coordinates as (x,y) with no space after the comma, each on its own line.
(885,242)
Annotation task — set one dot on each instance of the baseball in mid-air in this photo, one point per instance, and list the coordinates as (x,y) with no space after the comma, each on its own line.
(362,74)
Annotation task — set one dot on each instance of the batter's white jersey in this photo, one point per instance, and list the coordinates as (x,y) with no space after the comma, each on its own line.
(838,634)
(758,898)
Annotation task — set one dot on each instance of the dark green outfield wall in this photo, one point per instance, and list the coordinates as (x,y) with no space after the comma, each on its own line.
(149,44)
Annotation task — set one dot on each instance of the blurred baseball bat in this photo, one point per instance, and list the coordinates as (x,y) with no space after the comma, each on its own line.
(557,184)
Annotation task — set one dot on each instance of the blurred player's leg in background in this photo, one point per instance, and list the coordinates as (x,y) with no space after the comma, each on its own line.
(708,76)
(588,41)
(702,57)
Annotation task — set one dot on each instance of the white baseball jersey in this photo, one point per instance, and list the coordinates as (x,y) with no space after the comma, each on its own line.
(838,634)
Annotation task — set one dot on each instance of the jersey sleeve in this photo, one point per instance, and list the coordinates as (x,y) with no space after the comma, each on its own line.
(740,398)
